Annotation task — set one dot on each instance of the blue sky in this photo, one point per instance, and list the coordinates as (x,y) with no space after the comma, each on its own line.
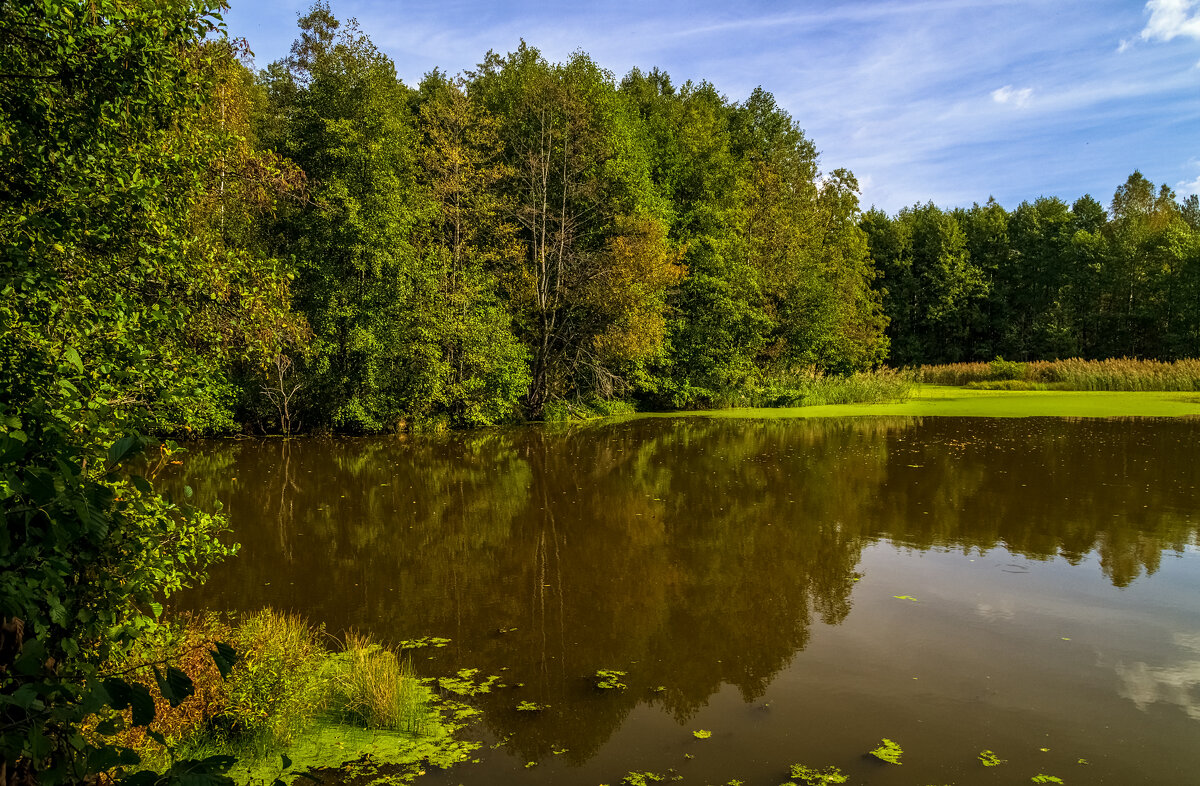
(945,100)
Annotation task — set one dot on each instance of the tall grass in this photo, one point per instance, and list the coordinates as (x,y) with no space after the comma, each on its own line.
(1118,374)
(285,683)
(810,387)
(373,687)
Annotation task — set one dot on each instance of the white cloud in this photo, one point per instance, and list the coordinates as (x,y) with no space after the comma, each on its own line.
(1008,95)
(1171,18)
(1187,188)
(1174,684)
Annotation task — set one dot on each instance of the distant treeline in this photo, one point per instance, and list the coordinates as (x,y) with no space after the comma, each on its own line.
(1044,281)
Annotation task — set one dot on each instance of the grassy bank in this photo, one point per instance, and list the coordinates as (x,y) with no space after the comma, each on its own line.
(1115,374)
(296,693)
(946,401)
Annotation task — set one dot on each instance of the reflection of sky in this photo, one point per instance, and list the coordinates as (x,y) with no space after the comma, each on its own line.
(1177,684)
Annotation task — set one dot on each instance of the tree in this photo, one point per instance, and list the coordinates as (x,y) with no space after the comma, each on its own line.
(469,240)
(338,110)
(104,277)
(578,177)
(931,288)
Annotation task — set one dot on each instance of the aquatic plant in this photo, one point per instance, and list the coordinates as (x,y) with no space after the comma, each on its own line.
(373,687)
(424,641)
(277,688)
(1045,779)
(887,751)
(990,759)
(531,706)
(288,690)
(702,734)
(813,777)
(609,679)
(642,778)
(467,682)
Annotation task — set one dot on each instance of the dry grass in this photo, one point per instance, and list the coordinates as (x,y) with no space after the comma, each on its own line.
(1120,374)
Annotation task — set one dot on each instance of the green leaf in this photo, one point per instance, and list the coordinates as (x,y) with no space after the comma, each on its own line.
(141,484)
(32,658)
(123,448)
(224,656)
(111,725)
(72,357)
(176,686)
(202,772)
(133,696)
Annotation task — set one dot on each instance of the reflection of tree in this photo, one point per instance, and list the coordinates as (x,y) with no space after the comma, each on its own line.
(691,553)
(1045,487)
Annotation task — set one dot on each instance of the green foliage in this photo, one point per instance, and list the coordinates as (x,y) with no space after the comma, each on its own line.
(1113,374)
(288,692)
(277,688)
(887,751)
(530,706)
(361,283)
(1045,779)
(814,777)
(106,273)
(702,734)
(1002,369)
(810,387)
(1051,280)
(642,778)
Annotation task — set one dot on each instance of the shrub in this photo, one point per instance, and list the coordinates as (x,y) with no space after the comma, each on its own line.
(277,687)
(1002,369)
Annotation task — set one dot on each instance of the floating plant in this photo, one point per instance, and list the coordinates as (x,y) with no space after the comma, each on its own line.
(887,751)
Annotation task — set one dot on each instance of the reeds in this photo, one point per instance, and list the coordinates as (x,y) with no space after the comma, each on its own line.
(1118,374)
(373,687)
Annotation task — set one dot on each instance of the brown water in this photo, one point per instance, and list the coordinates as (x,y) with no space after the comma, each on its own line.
(749,569)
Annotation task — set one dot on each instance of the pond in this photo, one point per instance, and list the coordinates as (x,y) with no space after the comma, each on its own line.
(798,588)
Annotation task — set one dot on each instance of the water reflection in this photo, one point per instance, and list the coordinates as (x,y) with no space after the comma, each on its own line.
(693,553)
(1177,684)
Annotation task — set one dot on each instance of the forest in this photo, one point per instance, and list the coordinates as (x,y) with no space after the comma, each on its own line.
(317,245)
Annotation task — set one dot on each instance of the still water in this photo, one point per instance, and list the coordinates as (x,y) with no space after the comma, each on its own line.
(800,588)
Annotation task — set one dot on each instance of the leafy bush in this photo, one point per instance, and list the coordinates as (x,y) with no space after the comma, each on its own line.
(810,387)
(277,687)
(1001,369)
